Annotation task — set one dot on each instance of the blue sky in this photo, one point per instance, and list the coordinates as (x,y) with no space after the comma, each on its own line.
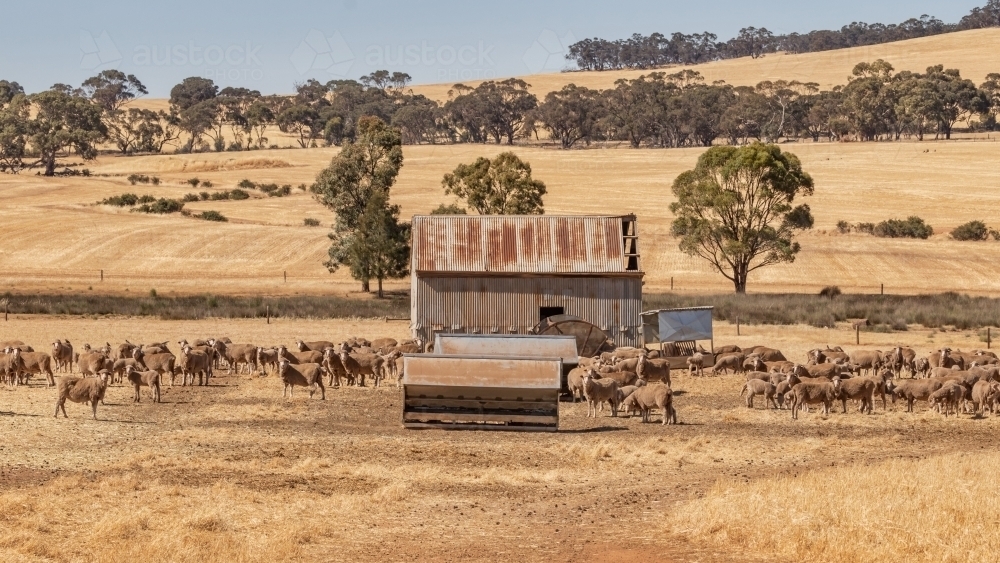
(269,46)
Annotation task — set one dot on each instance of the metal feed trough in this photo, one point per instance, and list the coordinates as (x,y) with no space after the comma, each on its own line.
(481,392)
(511,345)
(677,332)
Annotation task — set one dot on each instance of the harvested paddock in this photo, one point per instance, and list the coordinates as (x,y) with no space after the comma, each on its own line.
(232,472)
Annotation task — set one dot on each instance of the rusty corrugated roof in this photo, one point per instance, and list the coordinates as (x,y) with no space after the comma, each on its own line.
(519,244)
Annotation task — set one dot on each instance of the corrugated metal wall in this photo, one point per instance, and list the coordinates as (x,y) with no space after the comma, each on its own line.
(487,305)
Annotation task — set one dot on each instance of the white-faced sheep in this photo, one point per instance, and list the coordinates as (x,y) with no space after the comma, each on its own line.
(81,390)
(596,391)
(947,398)
(814,392)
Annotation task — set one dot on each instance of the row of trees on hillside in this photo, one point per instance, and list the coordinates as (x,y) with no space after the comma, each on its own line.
(655,50)
(679,109)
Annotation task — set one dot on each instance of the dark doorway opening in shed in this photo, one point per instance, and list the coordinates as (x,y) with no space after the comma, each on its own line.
(546,312)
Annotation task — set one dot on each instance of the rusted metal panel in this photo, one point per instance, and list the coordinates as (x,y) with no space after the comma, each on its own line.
(482,371)
(534,244)
(511,305)
(525,346)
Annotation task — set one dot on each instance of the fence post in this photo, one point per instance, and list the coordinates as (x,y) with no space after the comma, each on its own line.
(268,307)
(286,275)
(857,334)
(5,310)
(989,338)
(882,292)
(102,275)
(671,283)
(737,326)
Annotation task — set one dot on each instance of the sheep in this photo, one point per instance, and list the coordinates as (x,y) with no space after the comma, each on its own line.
(123,351)
(302,375)
(317,346)
(866,360)
(627,365)
(781,391)
(985,393)
(766,354)
(755,387)
(37,362)
(921,366)
(358,366)
(160,363)
(139,379)
(193,362)
(121,366)
(915,390)
(596,391)
(267,357)
(62,354)
(653,396)
(828,371)
(948,396)
(761,375)
(728,350)
(390,366)
(622,377)
(883,384)
(624,392)
(91,362)
(10,361)
(334,367)
(696,363)
(245,354)
(858,389)
(653,370)
(81,390)
(814,392)
(384,344)
(307,357)
(574,381)
(729,362)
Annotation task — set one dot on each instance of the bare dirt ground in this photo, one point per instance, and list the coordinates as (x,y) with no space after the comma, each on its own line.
(233,472)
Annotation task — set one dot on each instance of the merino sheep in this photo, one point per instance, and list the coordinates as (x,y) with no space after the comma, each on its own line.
(858,389)
(302,375)
(39,363)
(653,396)
(985,394)
(139,379)
(814,392)
(729,362)
(947,397)
(62,355)
(81,390)
(696,364)
(359,365)
(120,367)
(316,346)
(193,362)
(596,391)
(160,363)
(915,390)
(728,350)
(653,370)
(754,387)
(267,357)
(334,367)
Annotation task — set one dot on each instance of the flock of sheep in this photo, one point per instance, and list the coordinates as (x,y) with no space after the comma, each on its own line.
(351,362)
(950,381)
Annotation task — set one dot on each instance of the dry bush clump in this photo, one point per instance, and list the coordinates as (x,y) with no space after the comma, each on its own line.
(937,509)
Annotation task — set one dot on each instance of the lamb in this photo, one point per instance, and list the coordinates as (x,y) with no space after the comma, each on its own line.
(948,396)
(119,368)
(729,362)
(389,367)
(653,396)
(596,391)
(755,387)
(985,394)
(696,364)
(624,392)
(814,392)
(81,390)
(139,379)
(62,354)
(302,375)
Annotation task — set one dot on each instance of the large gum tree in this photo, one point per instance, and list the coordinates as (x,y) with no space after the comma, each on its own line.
(736,209)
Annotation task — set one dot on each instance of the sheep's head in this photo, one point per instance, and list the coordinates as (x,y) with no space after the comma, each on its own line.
(301,345)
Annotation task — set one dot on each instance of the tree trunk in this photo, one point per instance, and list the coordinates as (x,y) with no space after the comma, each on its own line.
(366,286)
(380,294)
(50,164)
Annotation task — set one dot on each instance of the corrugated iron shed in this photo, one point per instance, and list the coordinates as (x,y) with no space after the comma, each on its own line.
(532,245)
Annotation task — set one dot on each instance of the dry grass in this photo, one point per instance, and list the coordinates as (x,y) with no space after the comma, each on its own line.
(56,238)
(969,51)
(936,509)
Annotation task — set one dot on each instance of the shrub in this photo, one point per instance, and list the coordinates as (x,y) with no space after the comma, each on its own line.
(212,216)
(194,182)
(155,181)
(310,222)
(204,196)
(830,291)
(843,227)
(190,197)
(303,187)
(217,196)
(147,199)
(206,184)
(450,209)
(161,206)
(140,179)
(246,184)
(238,194)
(973,230)
(912,227)
(865,228)
(123,200)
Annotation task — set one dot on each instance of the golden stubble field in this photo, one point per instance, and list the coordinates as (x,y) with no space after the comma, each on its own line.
(232,472)
(56,239)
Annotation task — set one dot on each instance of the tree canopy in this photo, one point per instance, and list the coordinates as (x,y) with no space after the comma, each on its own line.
(735,209)
(502,186)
